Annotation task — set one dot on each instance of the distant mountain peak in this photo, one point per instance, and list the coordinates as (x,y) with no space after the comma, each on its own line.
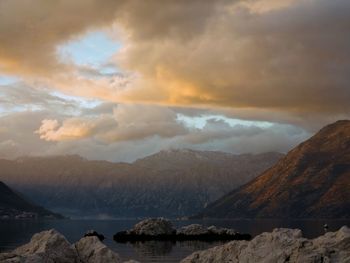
(341,127)
(312,180)
(180,151)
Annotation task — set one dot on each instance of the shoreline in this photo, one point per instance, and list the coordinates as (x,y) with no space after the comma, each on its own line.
(286,244)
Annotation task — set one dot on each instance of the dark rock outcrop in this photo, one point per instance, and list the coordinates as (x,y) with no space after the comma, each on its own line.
(14,206)
(162,229)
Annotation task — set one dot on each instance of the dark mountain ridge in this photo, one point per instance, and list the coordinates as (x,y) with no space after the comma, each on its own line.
(311,181)
(170,183)
(14,205)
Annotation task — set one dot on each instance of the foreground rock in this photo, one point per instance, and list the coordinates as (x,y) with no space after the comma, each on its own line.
(48,246)
(282,245)
(91,250)
(52,247)
(162,229)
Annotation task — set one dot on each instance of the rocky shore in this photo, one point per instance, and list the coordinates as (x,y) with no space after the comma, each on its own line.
(162,229)
(281,245)
(52,247)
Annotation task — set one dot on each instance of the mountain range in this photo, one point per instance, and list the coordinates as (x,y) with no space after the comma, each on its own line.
(171,183)
(311,181)
(14,205)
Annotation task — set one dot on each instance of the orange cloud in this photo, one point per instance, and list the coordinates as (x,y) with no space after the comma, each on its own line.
(126,124)
(283,61)
(71,129)
(266,55)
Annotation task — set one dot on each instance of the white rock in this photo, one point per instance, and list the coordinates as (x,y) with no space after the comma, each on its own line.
(92,250)
(282,245)
(216,230)
(221,230)
(153,227)
(197,229)
(193,229)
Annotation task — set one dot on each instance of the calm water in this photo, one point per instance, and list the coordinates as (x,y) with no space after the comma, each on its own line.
(18,232)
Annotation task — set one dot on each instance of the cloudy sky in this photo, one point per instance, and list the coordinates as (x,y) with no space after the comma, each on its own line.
(122,79)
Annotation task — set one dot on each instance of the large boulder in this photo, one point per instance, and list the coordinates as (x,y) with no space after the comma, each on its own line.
(153,227)
(91,250)
(45,247)
(51,247)
(282,245)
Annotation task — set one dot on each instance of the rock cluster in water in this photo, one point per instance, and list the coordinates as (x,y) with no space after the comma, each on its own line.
(162,229)
(282,245)
(52,247)
(153,227)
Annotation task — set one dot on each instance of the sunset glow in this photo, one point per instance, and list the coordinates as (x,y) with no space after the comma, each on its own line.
(169,73)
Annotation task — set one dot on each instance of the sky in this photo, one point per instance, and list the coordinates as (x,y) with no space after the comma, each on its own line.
(119,80)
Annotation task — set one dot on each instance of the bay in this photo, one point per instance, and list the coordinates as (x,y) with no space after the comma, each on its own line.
(14,233)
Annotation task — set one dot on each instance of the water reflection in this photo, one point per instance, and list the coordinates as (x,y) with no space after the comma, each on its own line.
(163,248)
(156,248)
(199,245)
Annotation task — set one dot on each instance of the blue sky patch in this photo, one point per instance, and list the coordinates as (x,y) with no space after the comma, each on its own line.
(93,49)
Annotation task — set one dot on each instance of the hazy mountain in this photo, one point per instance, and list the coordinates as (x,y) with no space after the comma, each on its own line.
(311,181)
(169,183)
(14,205)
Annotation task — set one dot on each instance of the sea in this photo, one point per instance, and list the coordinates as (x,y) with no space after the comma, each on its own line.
(14,233)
